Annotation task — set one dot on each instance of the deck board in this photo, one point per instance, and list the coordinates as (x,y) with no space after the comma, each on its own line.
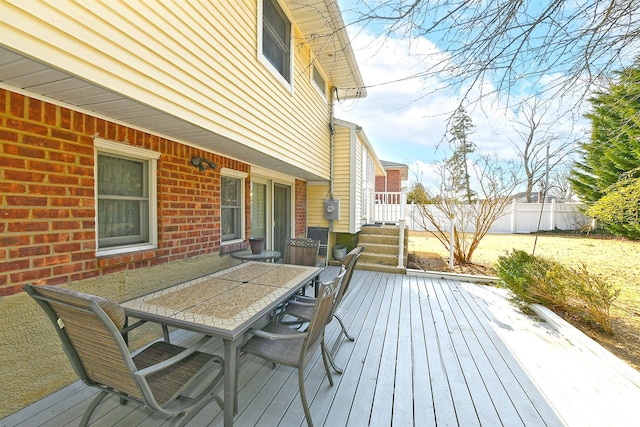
(423,398)
(427,352)
(354,395)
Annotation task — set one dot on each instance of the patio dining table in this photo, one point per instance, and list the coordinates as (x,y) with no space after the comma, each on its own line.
(224,304)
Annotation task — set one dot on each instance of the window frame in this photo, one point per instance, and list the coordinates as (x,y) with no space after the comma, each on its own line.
(286,82)
(315,71)
(117,149)
(241,176)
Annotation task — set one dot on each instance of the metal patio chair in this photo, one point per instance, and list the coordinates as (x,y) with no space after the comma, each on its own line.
(283,345)
(164,377)
(301,307)
(301,251)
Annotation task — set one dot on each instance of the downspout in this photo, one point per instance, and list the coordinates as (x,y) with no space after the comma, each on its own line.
(332,132)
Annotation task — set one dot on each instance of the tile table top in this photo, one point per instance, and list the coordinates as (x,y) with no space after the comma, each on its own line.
(226,300)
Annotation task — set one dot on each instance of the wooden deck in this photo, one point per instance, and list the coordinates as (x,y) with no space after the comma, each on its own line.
(427,353)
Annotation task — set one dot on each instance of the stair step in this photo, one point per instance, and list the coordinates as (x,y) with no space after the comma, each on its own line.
(382,259)
(381,268)
(366,239)
(389,230)
(375,248)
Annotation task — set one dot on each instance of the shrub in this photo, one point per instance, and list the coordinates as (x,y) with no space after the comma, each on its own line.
(534,279)
(597,296)
(526,276)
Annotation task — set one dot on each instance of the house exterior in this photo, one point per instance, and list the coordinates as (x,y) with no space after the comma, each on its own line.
(356,167)
(140,93)
(391,181)
(140,144)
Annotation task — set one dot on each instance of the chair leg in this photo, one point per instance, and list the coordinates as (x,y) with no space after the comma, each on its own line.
(92,407)
(326,358)
(303,397)
(344,329)
(333,363)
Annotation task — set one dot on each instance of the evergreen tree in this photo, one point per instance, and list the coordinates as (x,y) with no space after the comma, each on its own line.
(462,147)
(612,155)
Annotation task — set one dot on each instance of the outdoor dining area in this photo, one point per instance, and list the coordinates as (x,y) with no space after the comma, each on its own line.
(424,351)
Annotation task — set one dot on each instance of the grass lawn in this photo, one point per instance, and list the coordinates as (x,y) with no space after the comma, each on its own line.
(616,260)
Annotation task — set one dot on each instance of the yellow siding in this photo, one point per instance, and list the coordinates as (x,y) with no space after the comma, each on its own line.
(196,60)
(316,193)
(342,176)
(354,177)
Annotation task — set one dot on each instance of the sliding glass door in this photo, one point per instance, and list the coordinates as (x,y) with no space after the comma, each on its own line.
(271,212)
(281,216)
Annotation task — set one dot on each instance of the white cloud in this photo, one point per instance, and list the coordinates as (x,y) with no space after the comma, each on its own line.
(406,118)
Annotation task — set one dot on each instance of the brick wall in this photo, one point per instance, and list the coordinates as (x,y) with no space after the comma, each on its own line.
(47,204)
(301,209)
(391,183)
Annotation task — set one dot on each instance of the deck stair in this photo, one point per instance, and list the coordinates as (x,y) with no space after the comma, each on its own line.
(381,248)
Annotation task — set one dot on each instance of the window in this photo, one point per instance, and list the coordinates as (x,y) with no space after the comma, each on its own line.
(276,38)
(318,80)
(232,205)
(126,198)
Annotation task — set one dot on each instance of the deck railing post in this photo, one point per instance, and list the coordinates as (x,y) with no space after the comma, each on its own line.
(401,223)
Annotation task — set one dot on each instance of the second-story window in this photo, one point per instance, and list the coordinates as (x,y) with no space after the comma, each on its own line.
(276,38)
(318,80)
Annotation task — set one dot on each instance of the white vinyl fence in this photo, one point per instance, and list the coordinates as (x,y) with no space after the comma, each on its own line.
(518,217)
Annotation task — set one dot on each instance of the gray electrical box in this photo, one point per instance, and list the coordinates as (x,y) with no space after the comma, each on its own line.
(332,209)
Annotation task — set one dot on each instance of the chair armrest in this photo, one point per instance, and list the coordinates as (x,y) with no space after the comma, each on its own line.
(304,298)
(301,304)
(128,328)
(277,337)
(172,360)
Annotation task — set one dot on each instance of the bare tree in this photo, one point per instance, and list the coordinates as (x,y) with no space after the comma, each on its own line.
(494,182)
(539,147)
(559,183)
(508,41)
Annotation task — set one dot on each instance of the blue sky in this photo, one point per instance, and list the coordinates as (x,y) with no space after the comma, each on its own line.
(406,120)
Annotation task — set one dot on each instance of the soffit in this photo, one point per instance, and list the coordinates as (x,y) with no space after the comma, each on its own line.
(324,29)
(32,77)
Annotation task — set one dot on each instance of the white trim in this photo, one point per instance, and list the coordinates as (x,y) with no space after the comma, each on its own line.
(272,175)
(242,176)
(353,180)
(233,173)
(269,223)
(124,149)
(113,147)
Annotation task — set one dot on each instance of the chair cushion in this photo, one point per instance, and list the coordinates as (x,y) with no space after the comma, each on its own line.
(111,308)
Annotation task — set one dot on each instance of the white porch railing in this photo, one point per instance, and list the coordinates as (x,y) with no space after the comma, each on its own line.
(390,208)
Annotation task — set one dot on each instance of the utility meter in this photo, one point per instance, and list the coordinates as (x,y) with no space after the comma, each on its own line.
(332,209)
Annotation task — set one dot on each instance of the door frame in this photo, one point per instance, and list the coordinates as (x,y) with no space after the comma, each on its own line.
(271,178)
